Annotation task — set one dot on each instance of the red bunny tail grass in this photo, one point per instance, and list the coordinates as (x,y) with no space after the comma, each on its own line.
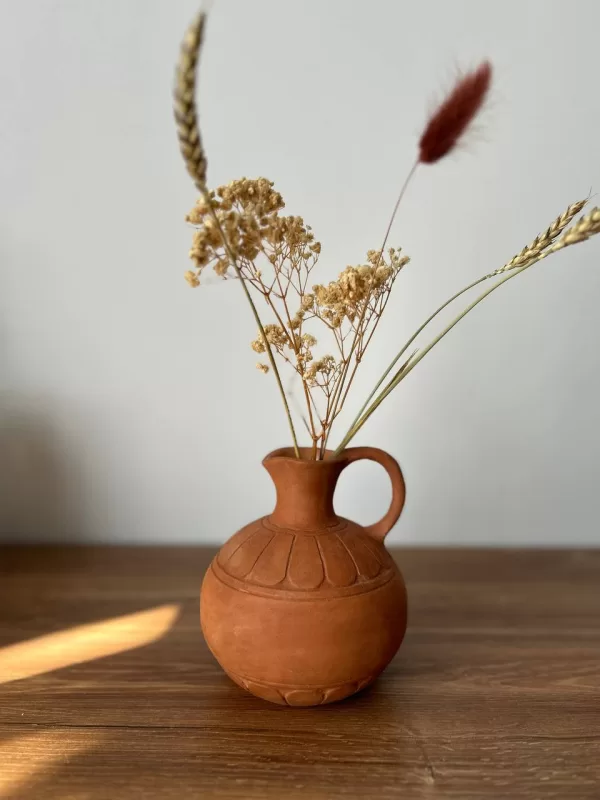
(454,115)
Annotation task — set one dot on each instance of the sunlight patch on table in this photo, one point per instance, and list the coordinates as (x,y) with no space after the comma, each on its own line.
(28,758)
(85,643)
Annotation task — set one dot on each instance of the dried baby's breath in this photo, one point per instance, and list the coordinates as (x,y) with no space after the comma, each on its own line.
(357,288)
(321,331)
(192,278)
(276,254)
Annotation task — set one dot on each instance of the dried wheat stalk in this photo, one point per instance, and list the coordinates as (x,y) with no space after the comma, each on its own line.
(186,115)
(533,251)
(580,231)
(583,229)
(190,142)
(240,222)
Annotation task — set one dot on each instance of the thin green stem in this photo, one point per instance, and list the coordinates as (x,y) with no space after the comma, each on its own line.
(336,405)
(419,330)
(292,338)
(233,259)
(402,373)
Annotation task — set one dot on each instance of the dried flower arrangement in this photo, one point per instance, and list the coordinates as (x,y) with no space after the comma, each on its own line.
(241,233)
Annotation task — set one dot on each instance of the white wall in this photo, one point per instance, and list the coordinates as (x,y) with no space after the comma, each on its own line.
(130,406)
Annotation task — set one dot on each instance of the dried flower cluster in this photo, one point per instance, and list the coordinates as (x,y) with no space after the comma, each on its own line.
(246,213)
(321,331)
(275,255)
(357,288)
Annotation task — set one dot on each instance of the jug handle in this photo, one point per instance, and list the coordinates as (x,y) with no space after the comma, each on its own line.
(379,530)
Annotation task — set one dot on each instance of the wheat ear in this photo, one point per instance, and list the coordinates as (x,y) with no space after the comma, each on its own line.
(580,231)
(190,142)
(184,96)
(583,229)
(542,241)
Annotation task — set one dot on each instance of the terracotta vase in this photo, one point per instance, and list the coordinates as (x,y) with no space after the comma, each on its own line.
(303,607)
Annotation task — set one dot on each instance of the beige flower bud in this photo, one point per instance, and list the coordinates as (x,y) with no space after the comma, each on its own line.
(192,278)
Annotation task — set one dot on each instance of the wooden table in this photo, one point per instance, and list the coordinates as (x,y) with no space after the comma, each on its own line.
(107,689)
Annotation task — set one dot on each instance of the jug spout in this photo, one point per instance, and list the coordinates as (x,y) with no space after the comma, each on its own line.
(305,489)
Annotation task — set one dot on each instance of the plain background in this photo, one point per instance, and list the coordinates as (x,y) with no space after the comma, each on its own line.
(130,407)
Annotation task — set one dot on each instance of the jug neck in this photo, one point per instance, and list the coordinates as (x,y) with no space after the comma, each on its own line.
(304,489)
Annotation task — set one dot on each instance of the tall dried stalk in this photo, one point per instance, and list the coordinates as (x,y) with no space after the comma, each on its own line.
(522,259)
(190,142)
(357,349)
(241,233)
(276,255)
(442,133)
(541,242)
(542,246)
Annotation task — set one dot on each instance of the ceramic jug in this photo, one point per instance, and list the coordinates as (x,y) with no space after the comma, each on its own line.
(303,607)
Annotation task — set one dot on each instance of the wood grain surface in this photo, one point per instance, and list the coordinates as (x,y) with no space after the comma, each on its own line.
(108,692)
